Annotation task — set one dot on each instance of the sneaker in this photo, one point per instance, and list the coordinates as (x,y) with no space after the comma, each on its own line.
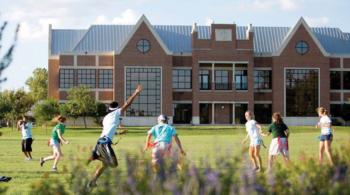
(42,161)
(91,184)
(5,179)
(54,169)
(28,159)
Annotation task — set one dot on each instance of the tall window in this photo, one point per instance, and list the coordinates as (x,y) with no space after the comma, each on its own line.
(240,109)
(221,80)
(204,80)
(335,79)
(87,77)
(148,103)
(182,79)
(346,82)
(301,92)
(66,78)
(182,113)
(105,79)
(263,113)
(241,79)
(262,79)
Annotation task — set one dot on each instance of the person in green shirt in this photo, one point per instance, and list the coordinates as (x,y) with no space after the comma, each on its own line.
(55,142)
(279,143)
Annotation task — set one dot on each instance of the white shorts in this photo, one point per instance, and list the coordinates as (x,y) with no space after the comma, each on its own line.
(279,146)
(55,145)
(159,151)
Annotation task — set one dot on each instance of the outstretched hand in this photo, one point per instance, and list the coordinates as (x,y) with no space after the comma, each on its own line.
(138,88)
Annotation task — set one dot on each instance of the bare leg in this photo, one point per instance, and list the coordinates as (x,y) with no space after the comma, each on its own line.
(30,155)
(328,150)
(58,156)
(251,156)
(320,153)
(25,154)
(98,173)
(257,156)
(270,162)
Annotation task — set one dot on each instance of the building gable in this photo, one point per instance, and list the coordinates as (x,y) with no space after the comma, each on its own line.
(144,29)
(300,32)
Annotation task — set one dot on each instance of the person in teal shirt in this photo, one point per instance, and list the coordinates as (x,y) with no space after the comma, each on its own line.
(162,134)
(55,142)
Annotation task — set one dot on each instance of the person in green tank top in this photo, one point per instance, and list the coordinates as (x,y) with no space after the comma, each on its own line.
(55,142)
(279,143)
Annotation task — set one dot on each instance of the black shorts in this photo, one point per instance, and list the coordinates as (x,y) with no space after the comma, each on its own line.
(328,137)
(27,145)
(104,152)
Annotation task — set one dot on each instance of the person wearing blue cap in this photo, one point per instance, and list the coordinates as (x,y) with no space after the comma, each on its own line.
(103,150)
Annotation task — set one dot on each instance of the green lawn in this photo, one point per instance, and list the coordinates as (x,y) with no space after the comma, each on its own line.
(199,143)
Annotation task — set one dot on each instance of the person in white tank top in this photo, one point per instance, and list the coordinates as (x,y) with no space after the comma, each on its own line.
(254,134)
(326,137)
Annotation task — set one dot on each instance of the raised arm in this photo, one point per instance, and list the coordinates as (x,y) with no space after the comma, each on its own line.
(131,98)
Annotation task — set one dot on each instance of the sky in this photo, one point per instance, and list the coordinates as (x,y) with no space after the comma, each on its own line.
(34,16)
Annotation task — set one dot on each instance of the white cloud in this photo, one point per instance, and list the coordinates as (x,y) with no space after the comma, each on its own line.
(317,21)
(128,16)
(267,5)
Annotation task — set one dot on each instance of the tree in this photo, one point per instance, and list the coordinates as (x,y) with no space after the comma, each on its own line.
(83,99)
(100,111)
(44,111)
(70,109)
(6,58)
(17,103)
(38,84)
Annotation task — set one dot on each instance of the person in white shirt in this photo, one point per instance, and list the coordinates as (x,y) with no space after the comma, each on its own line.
(254,134)
(326,137)
(103,150)
(25,127)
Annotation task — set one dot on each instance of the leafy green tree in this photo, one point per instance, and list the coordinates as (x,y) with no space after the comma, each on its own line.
(17,103)
(82,97)
(100,112)
(70,109)
(44,111)
(37,84)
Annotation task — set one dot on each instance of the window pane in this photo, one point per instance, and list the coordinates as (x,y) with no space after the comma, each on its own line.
(87,77)
(346,78)
(262,79)
(148,103)
(66,78)
(182,79)
(301,92)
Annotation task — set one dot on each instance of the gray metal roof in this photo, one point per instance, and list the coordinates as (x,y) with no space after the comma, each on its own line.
(106,38)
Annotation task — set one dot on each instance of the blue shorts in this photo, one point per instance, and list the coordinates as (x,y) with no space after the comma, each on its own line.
(328,137)
(255,142)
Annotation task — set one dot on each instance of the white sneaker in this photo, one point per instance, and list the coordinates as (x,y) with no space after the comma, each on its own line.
(54,169)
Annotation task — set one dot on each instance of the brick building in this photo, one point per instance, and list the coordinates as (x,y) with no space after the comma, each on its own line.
(205,74)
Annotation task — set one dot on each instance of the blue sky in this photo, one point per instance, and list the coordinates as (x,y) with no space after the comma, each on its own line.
(35,15)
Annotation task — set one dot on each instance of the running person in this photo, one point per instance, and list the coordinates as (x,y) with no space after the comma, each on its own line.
(103,150)
(254,134)
(279,143)
(55,142)
(162,134)
(25,127)
(326,137)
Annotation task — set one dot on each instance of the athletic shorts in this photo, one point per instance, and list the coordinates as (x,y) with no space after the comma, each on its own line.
(27,145)
(159,151)
(104,152)
(255,142)
(279,145)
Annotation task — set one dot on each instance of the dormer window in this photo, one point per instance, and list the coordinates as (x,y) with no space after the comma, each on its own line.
(302,47)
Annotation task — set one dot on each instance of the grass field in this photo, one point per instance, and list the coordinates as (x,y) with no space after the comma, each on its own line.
(199,142)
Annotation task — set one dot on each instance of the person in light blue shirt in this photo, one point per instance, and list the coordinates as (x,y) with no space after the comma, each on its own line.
(162,134)
(25,126)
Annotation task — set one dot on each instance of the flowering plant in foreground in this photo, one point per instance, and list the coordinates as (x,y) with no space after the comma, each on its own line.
(228,175)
